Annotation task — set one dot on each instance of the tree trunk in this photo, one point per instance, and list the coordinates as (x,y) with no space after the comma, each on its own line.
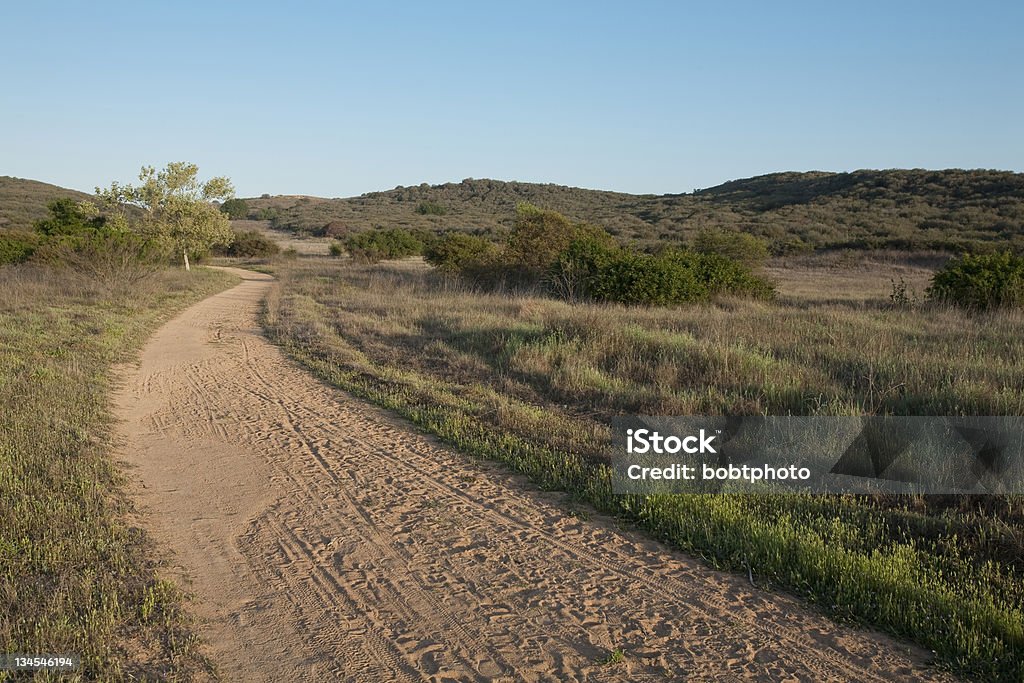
(185,254)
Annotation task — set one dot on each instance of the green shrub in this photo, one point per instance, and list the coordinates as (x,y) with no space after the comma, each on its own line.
(981,281)
(116,259)
(577,261)
(637,278)
(236,209)
(723,275)
(267,213)
(379,245)
(537,238)
(594,270)
(459,253)
(742,247)
(250,244)
(429,208)
(68,217)
(336,249)
(575,274)
(17,247)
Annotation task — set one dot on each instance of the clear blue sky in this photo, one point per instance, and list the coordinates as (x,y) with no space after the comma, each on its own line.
(336,99)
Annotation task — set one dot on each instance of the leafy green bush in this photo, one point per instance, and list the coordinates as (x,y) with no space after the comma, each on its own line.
(577,261)
(236,209)
(981,281)
(459,253)
(592,269)
(739,246)
(17,247)
(636,278)
(68,217)
(250,244)
(429,208)
(575,273)
(379,245)
(336,249)
(538,237)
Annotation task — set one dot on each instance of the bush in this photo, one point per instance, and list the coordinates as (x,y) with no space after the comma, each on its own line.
(459,253)
(575,274)
(336,249)
(539,237)
(981,281)
(18,247)
(117,260)
(429,208)
(236,209)
(267,213)
(592,269)
(250,244)
(379,245)
(636,278)
(578,261)
(68,217)
(742,247)
(335,230)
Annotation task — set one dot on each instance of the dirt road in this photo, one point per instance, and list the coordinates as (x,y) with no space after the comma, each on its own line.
(323,540)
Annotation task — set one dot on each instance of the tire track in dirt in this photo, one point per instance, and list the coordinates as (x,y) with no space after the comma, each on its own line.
(325,540)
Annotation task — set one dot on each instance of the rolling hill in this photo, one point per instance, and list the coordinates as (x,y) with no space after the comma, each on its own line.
(947,209)
(912,209)
(22,202)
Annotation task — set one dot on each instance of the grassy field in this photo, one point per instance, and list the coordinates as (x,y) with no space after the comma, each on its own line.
(533,382)
(75,575)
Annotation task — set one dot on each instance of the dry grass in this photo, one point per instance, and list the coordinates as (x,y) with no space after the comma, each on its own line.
(534,382)
(74,574)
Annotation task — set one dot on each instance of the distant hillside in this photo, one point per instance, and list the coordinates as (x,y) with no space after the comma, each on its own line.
(22,202)
(894,208)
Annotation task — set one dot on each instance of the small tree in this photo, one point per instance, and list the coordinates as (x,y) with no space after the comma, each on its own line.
(177,207)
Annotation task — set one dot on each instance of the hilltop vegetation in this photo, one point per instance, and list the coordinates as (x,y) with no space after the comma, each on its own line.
(912,209)
(23,202)
(952,210)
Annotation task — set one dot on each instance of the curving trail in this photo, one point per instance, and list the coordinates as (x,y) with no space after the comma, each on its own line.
(325,540)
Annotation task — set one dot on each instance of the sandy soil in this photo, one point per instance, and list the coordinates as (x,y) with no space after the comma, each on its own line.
(324,540)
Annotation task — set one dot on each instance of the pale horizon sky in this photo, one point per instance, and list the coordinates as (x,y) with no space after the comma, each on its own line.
(338,99)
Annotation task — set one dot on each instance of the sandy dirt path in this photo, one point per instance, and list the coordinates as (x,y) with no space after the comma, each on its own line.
(324,540)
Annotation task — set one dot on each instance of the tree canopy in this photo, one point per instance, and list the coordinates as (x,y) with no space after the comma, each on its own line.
(176,207)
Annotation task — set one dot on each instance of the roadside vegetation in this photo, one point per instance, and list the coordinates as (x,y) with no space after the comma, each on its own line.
(82,290)
(76,575)
(531,380)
